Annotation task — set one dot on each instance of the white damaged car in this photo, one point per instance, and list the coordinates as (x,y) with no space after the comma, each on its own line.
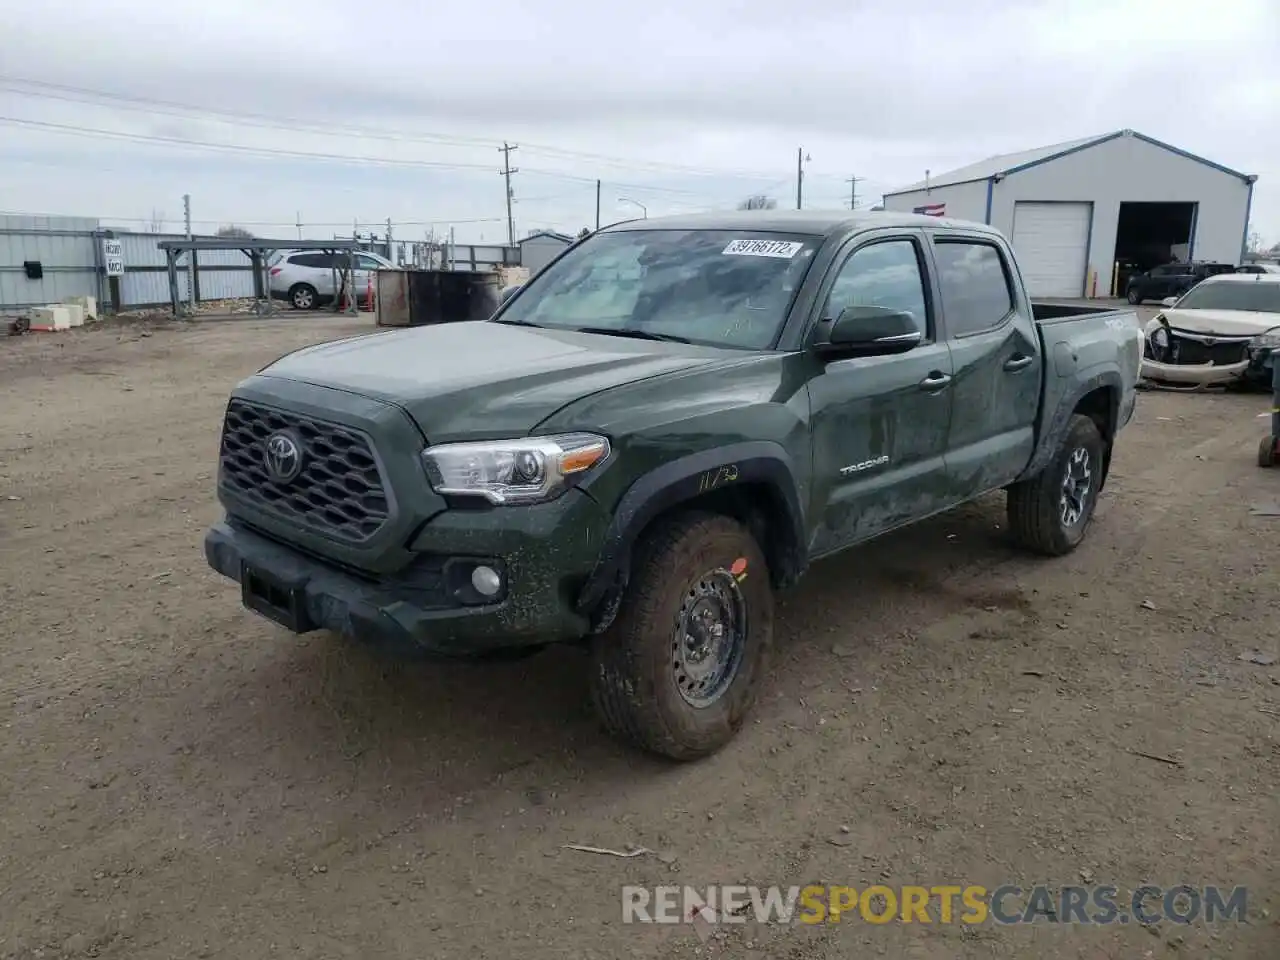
(1222,330)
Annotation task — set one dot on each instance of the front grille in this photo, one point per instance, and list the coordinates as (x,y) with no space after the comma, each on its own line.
(339,491)
(1221,354)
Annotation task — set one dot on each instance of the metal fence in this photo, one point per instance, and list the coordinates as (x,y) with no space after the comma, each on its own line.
(220,274)
(49,259)
(67,254)
(62,250)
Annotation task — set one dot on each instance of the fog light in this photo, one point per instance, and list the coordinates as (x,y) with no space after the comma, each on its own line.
(486,581)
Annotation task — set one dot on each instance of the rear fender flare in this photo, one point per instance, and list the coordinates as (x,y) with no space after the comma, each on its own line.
(1059,420)
(682,481)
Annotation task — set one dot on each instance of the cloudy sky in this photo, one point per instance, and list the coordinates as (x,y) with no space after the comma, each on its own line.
(337,112)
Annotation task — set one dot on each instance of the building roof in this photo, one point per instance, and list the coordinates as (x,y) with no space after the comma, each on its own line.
(564,238)
(817,223)
(1007,163)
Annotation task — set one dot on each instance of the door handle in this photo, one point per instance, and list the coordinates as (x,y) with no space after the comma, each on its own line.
(935,381)
(1014,364)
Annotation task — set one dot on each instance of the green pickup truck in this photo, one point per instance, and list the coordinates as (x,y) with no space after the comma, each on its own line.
(663,427)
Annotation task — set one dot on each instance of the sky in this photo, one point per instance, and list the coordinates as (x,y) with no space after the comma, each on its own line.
(334,114)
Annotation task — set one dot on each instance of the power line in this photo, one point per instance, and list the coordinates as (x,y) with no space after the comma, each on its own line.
(72,94)
(234,147)
(184,111)
(141,138)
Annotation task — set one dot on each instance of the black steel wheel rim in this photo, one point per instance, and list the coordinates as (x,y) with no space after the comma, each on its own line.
(710,638)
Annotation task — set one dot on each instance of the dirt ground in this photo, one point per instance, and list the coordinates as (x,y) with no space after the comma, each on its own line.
(179,778)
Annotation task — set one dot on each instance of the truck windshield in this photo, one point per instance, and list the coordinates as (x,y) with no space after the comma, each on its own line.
(723,287)
(1256,297)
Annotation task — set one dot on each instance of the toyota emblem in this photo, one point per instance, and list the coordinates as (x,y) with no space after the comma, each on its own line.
(282,457)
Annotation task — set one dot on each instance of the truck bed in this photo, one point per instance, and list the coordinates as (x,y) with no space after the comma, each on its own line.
(1048,312)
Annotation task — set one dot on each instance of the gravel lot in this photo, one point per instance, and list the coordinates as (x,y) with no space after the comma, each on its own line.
(179,778)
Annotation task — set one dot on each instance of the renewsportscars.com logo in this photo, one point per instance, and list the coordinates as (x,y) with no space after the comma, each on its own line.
(943,904)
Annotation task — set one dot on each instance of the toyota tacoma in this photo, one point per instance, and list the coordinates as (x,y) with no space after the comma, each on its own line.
(667,424)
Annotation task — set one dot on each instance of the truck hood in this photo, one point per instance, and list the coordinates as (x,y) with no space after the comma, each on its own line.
(484,380)
(1225,323)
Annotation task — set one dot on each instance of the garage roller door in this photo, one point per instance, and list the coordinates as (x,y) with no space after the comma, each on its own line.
(1051,241)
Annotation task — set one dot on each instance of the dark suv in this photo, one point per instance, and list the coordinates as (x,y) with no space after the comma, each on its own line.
(1171,280)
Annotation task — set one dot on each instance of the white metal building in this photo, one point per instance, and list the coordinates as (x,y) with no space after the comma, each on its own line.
(541,247)
(1082,215)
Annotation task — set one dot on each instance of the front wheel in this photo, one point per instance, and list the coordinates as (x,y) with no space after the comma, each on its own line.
(679,669)
(1050,512)
(1133,296)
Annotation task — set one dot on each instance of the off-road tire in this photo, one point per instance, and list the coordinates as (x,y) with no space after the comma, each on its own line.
(633,684)
(303,296)
(1035,505)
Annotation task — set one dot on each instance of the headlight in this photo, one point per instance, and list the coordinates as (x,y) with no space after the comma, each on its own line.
(513,471)
(1160,338)
(1266,341)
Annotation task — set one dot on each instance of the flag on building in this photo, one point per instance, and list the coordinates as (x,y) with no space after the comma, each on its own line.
(932,210)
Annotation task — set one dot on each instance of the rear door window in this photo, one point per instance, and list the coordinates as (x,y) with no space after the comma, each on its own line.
(976,292)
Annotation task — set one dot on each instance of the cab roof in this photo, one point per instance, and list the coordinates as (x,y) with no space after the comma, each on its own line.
(815,223)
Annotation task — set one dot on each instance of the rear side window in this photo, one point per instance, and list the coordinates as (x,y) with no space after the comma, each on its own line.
(309,260)
(975,286)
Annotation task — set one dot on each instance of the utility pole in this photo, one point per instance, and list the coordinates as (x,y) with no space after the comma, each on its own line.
(801,159)
(853,191)
(390,256)
(799,177)
(298,220)
(506,172)
(191,255)
(597,204)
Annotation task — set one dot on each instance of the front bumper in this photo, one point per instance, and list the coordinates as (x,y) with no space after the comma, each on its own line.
(416,608)
(1194,374)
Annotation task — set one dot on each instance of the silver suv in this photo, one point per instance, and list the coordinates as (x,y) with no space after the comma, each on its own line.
(312,279)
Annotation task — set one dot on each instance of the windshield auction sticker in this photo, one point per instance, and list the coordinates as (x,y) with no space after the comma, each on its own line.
(782,249)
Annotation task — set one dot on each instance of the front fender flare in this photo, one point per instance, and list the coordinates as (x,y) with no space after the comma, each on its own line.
(681,481)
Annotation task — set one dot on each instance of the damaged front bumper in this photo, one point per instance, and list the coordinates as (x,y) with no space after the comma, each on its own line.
(1194,374)
(1193,359)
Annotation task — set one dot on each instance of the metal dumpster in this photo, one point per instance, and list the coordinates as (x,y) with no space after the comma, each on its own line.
(414,298)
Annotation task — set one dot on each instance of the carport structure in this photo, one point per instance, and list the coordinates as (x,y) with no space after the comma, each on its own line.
(259,253)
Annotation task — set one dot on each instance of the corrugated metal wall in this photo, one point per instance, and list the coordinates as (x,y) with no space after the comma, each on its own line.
(66,250)
(224,274)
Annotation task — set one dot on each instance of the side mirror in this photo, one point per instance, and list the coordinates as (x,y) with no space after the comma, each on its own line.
(508,293)
(1169,302)
(871,331)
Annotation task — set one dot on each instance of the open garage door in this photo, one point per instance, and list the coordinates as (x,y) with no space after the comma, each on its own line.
(1051,241)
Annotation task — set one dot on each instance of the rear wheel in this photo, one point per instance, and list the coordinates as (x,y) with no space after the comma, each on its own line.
(303,296)
(1050,512)
(679,669)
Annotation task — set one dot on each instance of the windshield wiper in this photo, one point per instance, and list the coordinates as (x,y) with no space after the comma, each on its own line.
(519,323)
(634,333)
